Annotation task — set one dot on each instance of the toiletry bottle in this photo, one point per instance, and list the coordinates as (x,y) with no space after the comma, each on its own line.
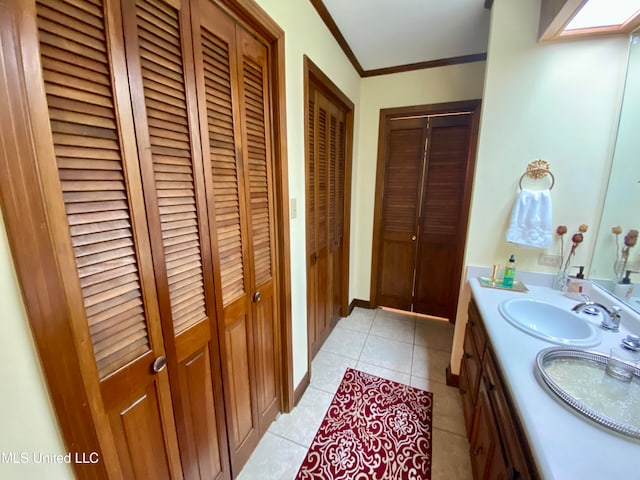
(577,287)
(509,272)
(624,288)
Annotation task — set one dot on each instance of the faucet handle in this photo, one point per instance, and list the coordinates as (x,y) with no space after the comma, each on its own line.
(613,323)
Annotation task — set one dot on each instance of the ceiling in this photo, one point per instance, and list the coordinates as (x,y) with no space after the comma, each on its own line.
(383,36)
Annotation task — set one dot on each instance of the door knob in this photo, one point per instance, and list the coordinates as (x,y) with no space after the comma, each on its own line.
(257,297)
(159,364)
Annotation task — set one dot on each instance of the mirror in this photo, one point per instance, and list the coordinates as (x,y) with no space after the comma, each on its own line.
(612,258)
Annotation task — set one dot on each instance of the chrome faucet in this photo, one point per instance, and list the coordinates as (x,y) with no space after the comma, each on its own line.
(610,317)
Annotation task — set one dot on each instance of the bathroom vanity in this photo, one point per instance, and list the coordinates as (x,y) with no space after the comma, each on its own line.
(518,428)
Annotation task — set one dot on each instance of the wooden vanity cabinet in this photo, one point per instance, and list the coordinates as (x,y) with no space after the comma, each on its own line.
(497,446)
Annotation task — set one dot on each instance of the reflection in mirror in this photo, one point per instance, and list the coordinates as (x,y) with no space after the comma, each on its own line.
(616,251)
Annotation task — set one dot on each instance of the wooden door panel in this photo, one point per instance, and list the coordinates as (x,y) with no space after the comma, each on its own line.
(400,209)
(266,358)
(398,258)
(254,118)
(158,42)
(200,412)
(215,46)
(240,405)
(138,430)
(442,232)
(436,282)
(87,96)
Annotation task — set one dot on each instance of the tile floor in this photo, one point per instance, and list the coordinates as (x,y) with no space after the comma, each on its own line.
(400,347)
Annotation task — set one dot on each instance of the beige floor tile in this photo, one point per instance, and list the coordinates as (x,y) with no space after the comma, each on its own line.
(360,320)
(387,353)
(345,342)
(434,334)
(447,405)
(450,454)
(302,423)
(327,370)
(382,372)
(430,363)
(394,327)
(275,458)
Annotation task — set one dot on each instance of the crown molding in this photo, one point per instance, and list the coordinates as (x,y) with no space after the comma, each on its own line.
(342,42)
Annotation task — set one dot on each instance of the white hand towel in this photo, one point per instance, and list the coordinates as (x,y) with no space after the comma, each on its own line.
(531,219)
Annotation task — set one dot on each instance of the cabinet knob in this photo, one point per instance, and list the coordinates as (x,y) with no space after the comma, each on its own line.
(414,238)
(159,364)
(257,297)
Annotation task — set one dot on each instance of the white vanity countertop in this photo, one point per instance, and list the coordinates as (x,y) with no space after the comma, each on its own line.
(565,444)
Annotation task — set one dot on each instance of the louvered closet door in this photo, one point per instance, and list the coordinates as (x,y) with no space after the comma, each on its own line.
(256,140)
(321,220)
(337,133)
(400,211)
(90,118)
(325,214)
(442,230)
(159,55)
(218,101)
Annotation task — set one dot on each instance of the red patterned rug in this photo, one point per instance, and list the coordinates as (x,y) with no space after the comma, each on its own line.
(374,429)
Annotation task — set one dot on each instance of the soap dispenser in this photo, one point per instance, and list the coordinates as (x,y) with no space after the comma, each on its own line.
(624,288)
(577,286)
(509,272)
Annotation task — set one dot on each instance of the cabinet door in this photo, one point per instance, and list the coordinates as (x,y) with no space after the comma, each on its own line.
(513,445)
(468,404)
(484,439)
(159,56)
(94,151)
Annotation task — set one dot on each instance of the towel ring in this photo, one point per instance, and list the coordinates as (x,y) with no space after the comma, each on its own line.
(537,170)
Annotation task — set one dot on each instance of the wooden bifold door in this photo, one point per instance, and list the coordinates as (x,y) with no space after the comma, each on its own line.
(148,128)
(327,206)
(423,193)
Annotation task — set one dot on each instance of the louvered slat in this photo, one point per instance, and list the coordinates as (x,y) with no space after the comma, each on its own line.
(87,147)
(333,160)
(322,178)
(217,78)
(443,197)
(340,186)
(256,145)
(165,99)
(402,181)
(311,177)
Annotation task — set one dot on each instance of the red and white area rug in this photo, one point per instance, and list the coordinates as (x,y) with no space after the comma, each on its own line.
(374,429)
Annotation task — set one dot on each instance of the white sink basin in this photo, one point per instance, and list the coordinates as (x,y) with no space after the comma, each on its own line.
(548,322)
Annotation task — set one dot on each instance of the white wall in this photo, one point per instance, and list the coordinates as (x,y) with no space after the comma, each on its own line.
(421,87)
(27,422)
(558,102)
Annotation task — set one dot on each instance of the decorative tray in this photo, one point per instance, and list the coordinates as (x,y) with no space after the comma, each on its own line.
(518,286)
(578,377)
